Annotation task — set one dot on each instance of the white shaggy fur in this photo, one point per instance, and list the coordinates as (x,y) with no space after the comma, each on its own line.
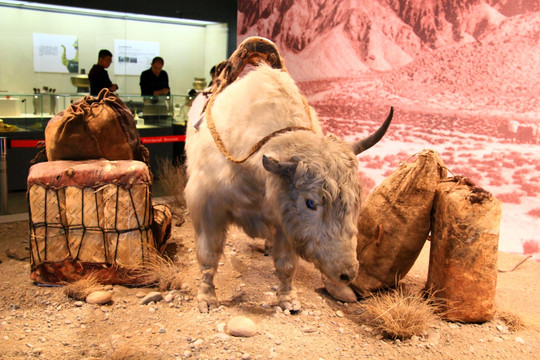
(272,204)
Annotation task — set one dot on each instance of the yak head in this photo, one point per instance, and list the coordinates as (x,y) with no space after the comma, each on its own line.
(316,195)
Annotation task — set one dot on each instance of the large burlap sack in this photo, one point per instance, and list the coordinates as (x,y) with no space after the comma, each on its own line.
(463,256)
(394,223)
(91,216)
(99,127)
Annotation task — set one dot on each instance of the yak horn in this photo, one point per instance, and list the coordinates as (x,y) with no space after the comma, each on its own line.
(366,143)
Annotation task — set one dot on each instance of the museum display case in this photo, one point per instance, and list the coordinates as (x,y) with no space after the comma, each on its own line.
(52,51)
(28,112)
(160,120)
(31,112)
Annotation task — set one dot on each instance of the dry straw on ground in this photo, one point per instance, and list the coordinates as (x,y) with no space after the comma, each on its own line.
(398,314)
(81,288)
(173,180)
(516,322)
(159,271)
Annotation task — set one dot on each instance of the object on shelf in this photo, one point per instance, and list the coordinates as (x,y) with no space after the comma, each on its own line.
(52,104)
(44,103)
(81,82)
(199,83)
(7,127)
(36,103)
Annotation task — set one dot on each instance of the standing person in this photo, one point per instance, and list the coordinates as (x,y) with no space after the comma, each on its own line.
(155,81)
(98,76)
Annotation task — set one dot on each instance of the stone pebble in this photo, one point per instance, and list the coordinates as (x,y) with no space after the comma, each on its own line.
(152,296)
(99,297)
(242,326)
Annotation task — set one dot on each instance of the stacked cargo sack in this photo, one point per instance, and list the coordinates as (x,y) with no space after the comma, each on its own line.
(90,204)
(395,221)
(463,255)
(393,226)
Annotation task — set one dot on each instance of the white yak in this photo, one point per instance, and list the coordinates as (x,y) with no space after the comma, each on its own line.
(300,190)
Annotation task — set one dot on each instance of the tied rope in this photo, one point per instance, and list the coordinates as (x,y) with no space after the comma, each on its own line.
(219,142)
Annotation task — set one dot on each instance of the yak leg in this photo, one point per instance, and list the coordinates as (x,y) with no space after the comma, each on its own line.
(268,247)
(209,247)
(285,261)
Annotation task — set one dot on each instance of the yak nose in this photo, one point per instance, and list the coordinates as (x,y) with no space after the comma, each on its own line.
(349,274)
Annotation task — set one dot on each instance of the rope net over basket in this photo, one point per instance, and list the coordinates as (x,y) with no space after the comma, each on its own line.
(87,216)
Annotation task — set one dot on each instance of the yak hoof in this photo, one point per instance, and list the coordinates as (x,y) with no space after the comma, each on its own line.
(205,306)
(268,245)
(291,304)
(206,301)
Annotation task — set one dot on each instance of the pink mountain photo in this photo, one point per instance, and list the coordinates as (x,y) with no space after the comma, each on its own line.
(463,76)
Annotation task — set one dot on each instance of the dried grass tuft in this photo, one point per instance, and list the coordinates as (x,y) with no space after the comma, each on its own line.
(516,322)
(81,288)
(160,271)
(173,179)
(400,315)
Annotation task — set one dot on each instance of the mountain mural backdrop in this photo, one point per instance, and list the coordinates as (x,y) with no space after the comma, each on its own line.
(353,36)
(462,75)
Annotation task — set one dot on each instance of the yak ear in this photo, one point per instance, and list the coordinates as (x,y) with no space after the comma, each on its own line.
(366,143)
(285,169)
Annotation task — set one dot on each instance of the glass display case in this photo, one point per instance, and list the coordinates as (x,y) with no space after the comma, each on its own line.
(160,122)
(31,112)
(157,111)
(28,112)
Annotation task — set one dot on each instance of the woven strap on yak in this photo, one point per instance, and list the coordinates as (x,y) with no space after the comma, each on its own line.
(221,146)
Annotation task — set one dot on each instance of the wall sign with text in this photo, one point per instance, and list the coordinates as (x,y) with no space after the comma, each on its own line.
(56,53)
(133,57)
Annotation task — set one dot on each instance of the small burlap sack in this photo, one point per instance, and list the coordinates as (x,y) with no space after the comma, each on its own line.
(463,256)
(161,225)
(90,216)
(99,127)
(394,223)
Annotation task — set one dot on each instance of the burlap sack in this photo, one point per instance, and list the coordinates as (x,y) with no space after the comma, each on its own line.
(463,256)
(395,221)
(99,127)
(161,225)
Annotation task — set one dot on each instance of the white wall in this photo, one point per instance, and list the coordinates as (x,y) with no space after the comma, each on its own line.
(188,51)
(214,45)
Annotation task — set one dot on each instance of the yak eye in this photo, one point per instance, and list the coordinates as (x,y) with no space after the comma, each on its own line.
(310,204)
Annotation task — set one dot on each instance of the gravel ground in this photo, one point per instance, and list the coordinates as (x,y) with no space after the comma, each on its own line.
(41,322)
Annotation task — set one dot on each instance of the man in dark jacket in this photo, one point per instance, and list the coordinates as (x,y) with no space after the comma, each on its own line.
(155,81)
(98,76)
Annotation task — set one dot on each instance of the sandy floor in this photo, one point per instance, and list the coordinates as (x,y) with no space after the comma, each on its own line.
(41,322)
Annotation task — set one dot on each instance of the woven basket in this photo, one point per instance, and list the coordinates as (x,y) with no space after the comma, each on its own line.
(88,216)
